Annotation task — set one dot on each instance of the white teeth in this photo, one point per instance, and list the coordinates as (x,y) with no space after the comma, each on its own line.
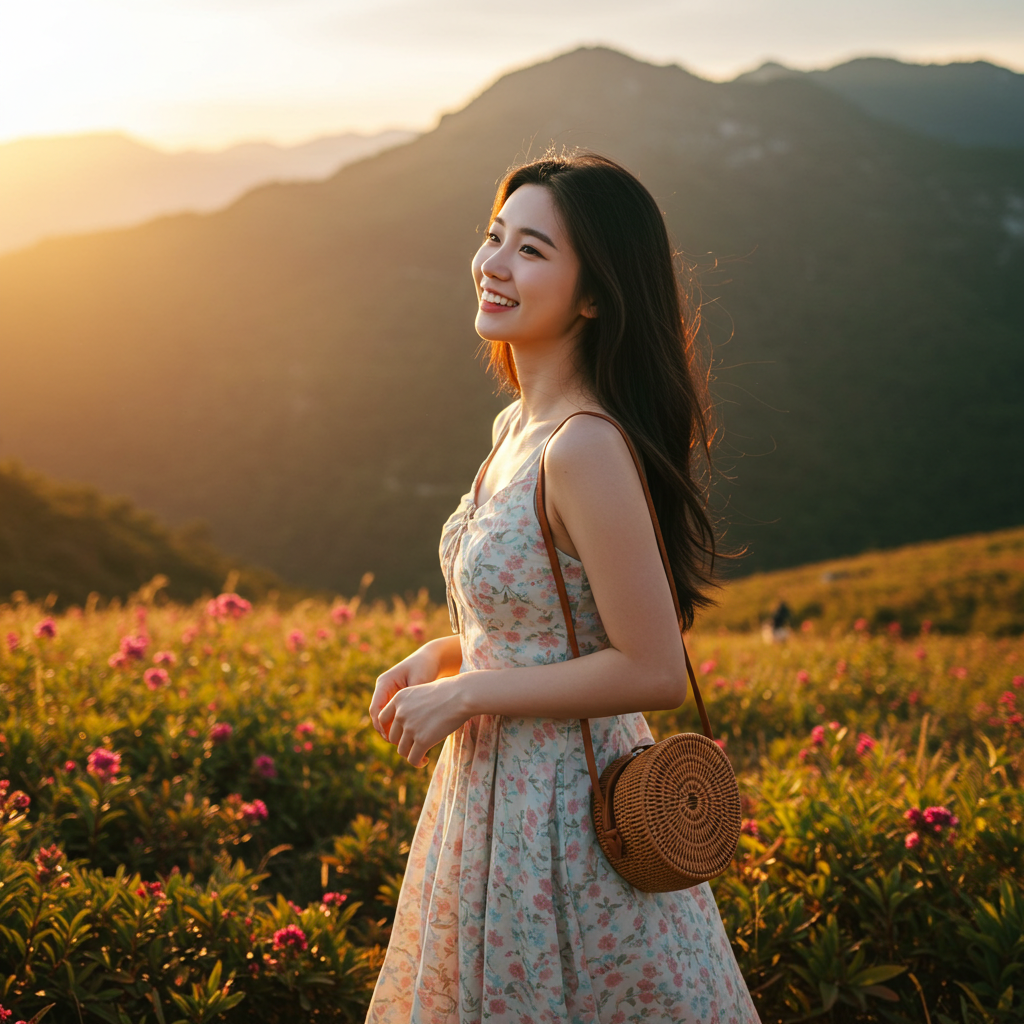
(499,300)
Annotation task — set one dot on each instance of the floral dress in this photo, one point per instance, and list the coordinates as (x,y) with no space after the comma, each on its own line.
(509,910)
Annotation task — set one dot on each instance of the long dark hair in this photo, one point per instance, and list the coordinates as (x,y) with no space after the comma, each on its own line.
(639,357)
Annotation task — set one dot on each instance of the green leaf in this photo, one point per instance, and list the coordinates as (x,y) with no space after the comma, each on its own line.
(874,975)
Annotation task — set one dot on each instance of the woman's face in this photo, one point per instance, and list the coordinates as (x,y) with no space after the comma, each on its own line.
(526,273)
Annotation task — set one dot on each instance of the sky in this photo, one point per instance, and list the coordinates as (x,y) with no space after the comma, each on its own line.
(207,73)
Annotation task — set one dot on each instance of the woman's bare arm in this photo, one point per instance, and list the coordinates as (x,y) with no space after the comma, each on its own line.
(595,497)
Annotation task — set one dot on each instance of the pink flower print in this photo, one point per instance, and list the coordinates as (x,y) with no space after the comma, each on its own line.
(520,611)
(263,765)
(154,678)
(613,980)
(341,613)
(221,732)
(650,971)
(104,764)
(516,972)
(514,562)
(512,636)
(506,577)
(594,891)
(542,902)
(165,658)
(497,1006)
(607,943)
(45,627)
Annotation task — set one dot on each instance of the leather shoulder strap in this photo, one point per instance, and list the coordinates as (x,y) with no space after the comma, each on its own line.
(545,529)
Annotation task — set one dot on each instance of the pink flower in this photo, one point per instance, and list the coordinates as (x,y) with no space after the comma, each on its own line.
(341,613)
(263,765)
(417,630)
(323,634)
(306,728)
(165,658)
(865,744)
(959,672)
(803,754)
(150,890)
(926,626)
(221,732)
(834,726)
(914,816)
(333,899)
(70,766)
(1009,698)
(748,827)
(920,654)
(841,667)
(707,667)
(19,801)
(45,627)
(894,628)
(803,676)
(860,625)
(227,606)
(913,841)
(296,640)
(104,764)
(156,677)
(818,735)
(5,1015)
(291,938)
(254,812)
(806,626)
(117,659)
(939,818)
(1018,681)
(12,642)
(47,861)
(134,646)
(722,740)
(188,635)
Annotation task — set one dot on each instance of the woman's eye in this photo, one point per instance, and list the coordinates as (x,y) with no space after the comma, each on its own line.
(529,250)
(492,237)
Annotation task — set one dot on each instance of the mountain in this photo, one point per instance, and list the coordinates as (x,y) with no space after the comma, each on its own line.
(971,584)
(300,369)
(973,104)
(67,184)
(71,542)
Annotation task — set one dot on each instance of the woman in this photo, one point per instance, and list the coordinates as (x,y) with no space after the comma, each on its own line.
(509,910)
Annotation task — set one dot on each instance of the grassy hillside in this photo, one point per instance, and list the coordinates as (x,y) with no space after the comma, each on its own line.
(299,370)
(964,585)
(61,543)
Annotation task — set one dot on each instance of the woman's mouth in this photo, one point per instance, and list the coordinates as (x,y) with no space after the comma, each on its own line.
(492,302)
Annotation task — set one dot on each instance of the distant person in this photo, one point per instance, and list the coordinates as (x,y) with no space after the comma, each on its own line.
(777,627)
(509,910)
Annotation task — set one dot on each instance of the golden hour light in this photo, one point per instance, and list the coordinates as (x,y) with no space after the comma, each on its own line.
(511,514)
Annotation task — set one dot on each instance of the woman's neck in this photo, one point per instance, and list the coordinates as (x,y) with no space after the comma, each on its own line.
(550,385)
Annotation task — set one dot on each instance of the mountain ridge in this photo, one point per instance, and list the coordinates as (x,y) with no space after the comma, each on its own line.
(311,355)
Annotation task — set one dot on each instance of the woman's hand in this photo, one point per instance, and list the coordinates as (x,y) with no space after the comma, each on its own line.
(418,717)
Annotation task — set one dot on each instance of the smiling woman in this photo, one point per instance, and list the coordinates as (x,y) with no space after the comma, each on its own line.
(510,909)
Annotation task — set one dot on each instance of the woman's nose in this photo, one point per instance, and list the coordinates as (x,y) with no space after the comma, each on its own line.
(495,266)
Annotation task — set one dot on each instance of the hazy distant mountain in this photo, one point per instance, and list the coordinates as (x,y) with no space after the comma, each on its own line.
(300,368)
(975,104)
(64,185)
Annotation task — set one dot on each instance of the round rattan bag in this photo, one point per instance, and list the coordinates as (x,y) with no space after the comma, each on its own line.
(666,815)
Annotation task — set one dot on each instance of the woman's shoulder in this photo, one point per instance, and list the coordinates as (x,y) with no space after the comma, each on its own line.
(501,420)
(590,446)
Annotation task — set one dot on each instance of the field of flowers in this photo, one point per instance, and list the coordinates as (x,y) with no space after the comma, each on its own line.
(197,822)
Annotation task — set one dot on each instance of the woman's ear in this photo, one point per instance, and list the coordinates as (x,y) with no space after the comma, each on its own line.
(589,309)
